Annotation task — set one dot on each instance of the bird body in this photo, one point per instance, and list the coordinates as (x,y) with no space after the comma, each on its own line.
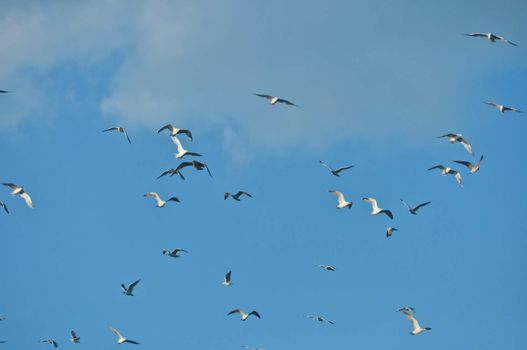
(160,203)
(243,315)
(19,191)
(375,210)
(474,168)
(236,196)
(337,171)
(130,289)
(119,129)
(342,202)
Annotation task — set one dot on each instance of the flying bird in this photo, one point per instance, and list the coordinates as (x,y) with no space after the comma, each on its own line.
(251,348)
(327,267)
(474,168)
(181,152)
(74,338)
(416,208)
(227,279)
(417,329)
(375,210)
(337,171)
(319,318)
(130,289)
(243,315)
(458,138)
(176,131)
(4,91)
(19,190)
(491,37)
(174,253)
(50,342)
(274,100)
(121,130)
(195,164)
(342,203)
(120,338)
(2,318)
(2,204)
(502,108)
(236,196)
(160,203)
(389,231)
(449,171)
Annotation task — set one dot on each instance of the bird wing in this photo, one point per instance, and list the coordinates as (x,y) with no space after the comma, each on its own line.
(281,100)
(255,314)
(414,321)
(269,97)
(186,132)
(127,137)
(226,195)
(2,204)
(182,165)
(235,311)
(440,166)
(131,341)
(132,286)
(27,199)
(243,192)
(339,196)
(154,195)
(512,109)
(116,332)
(491,103)
(325,165)
(343,168)
(208,170)
(372,201)
(467,164)
(405,204)
(73,335)
(178,144)
(480,159)
(228,276)
(388,213)
(445,135)
(465,144)
(168,126)
(477,34)
(166,172)
(505,40)
(175,199)
(11,185)
(113,128)
(457,175)
(422,205)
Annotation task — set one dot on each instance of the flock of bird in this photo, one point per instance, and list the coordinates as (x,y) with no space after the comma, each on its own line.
(175,133)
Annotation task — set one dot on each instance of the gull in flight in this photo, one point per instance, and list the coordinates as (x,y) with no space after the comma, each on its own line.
(174,253)
(474,168)
(389,231)
(160,203)
(130,289)
(327,267)
(342,203)
(176,131)
(120,338)
(458,138)
(2,204)
(251,348)
(274,100)
(19,190)
(491,37)
(4,91)
(121,130)
(227,279)
(416,208)
(417,329)
(50,342)
(319,318)
(181,152)
(243,315)
(503,108)
(335,172)
(74,338)
(236,196)
(375,210)
(2,318)
(195,164)
(449,171)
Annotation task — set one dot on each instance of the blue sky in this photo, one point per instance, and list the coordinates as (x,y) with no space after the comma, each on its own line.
(377,83)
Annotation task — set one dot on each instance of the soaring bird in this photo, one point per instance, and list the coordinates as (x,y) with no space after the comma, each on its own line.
(274,100)
(336,172)
(502,108)
(174,252)
(74,338)
(227,279)
(120,338)
(2,204)
(251,348)
(449,171)
(474,168)
(4,91)
(342,203)
(121,130)
(243,315)
(327,267)
(236,196)
(417,329)
(160,203)
(181,152)
(50,342)
(195,164)
(176,131)
(491,37)
(458,138)
(389,231)
(19,190)
(375,210)
(130,289)
(416,208)
(319,318)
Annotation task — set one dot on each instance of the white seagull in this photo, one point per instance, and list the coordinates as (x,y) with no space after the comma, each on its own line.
(375,210)
(130,289)
(327,267)
(74,338)
(491,37)
(181,152)
(120,338)
(458,138)
(417,329)
(50,342)
(449,171)
(336,172)
(19,190)
(227,279)
(390,230)
(274,100)
(474,168)
(503,108)
(174,252)
(416,208)
(160,203)
(236,196)
(176,131)
(2,204)
(319,318)
(243,315)
(342,203)
(121,130)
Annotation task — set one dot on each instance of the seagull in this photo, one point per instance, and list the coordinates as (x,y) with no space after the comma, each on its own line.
(327,267)
(474,168)
(50,342)
(120,338)
(4,91)
(251,348)
(121,130)
(160,203)
(342,203)
(181,152)
(416,208)
(274,100)
(130,289)
(417,328)
(227,279)
(319,318)
(176,131)
(3,341)
(174,253)
(197,165)
(503,108)
(458,138)
(74,338)
(389,231)
(2,318)
(19,190)
(447,171)
(492,37)
(375,210)
(335,172)
(2,204)
(407,309)
(236,196)
(243,315)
